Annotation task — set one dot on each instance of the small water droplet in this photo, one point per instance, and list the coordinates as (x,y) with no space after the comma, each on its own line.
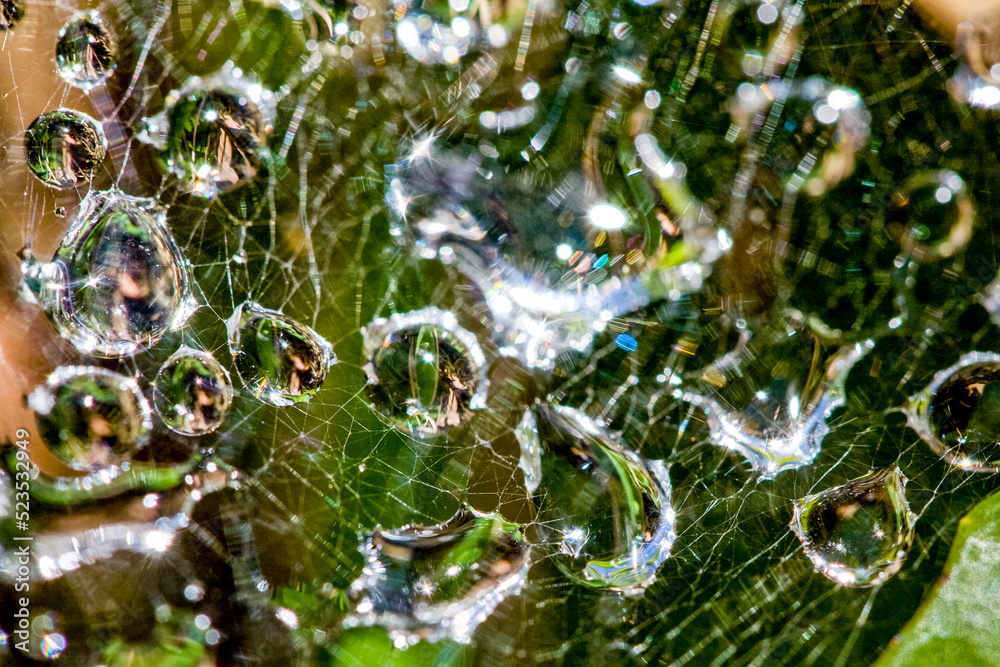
(216,132)
(609,508)
(118,281)
(60,212)
(858,533)
(426,373)
(958,413)
(279,360)
(65,147)
(530,460)
(87,51)
(192,392)
(932,215)
(91,418)
(435,582)
(11,13)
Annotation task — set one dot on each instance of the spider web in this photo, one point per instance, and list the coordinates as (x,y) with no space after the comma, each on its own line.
(311,237)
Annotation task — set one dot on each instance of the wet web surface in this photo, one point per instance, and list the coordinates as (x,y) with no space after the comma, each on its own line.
(685,265)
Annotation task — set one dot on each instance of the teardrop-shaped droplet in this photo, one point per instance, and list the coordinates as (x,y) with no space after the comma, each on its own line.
(11,13)
(280,361)
(609,508)
(858,533)
(213,134)
(770,401)
(932,215)
(958,413)
(435,582)
(65,147)
(425,372)
(118,281)
(87,51)
(91,418)
(192,392)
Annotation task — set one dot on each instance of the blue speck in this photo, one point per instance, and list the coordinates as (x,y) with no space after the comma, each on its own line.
(626,342)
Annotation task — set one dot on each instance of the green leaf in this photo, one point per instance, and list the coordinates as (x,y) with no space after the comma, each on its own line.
(956,625)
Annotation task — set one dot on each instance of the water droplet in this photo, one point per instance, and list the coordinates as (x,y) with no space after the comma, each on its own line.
(770,401)
(91,418)
(216,132)
(65,147)
(958,413)
(11,13)
(609,508)
(858,533)
(192,392)
(426,373)
(435,582)
(60,547)
(932,215)
(279,360)
(530,460)
(87,51)
(118,281)
(60,212)
(550,267)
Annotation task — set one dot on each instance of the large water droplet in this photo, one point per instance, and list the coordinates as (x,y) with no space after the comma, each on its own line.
(213,133)
(279,360)
(192,392)
(118,281)
(436,582)
(609,508)
(143,524)
(958,413)
(770,401)
(553,268)
(11,13)
(65,147)
(426,373)
(858,533)
(91,418)
(87,51)
(932,215)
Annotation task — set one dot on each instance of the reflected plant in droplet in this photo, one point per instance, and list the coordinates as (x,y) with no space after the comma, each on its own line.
(279,360)
(213,133)
(91,418)
(435,582)
(192,392)
(610,509)
(425,372)
(118,282)
(64,148)
(87,51)
(958,413)
(857,534)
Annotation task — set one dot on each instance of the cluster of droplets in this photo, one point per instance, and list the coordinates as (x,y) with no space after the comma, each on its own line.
(554,265)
